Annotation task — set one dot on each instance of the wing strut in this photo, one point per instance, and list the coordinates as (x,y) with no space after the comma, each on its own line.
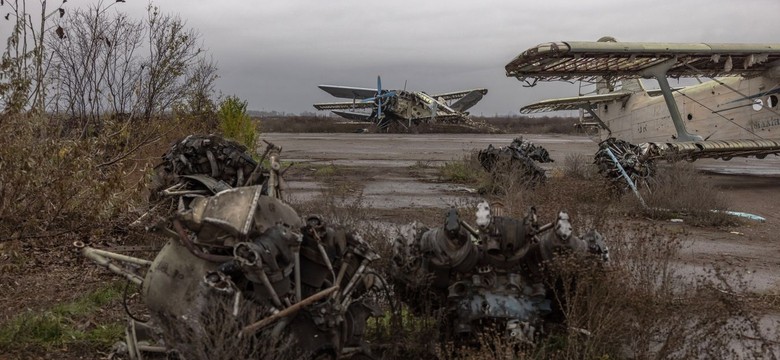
(659,73)
(597,118)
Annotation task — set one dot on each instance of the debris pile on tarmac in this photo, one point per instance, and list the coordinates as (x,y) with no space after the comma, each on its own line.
(521,155)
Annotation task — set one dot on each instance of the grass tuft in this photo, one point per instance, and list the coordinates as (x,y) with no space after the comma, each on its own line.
(65,323)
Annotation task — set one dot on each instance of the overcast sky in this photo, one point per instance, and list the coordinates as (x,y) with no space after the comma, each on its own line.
(274,53)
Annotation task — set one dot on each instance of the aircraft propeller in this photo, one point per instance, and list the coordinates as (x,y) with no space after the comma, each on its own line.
(379,96)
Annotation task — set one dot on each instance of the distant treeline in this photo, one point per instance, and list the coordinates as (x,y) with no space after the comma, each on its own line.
(330,124)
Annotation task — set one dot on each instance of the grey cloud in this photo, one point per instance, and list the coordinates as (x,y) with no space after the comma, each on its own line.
(274,53)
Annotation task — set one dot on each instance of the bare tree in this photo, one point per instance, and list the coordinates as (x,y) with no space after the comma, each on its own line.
(199,97)
(24,64)
(124,69)
(172,48)
(97,65)
(94,64)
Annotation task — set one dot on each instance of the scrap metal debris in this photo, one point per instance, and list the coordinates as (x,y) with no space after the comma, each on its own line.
(242,269)
(521,155)
(492,274)
(222,159)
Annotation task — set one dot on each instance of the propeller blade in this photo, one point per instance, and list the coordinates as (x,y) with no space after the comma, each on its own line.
(379,108)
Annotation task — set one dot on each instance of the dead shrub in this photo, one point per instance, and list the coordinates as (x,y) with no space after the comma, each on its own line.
(467,170)
(533,124)
(579,166)
(644,305)
(213,333)
(54,181)
(679,190)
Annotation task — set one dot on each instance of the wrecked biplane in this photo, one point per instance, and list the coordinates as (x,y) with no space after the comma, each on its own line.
(732,115)
(385,107)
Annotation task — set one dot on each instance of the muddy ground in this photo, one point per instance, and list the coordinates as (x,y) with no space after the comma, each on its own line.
(397,179)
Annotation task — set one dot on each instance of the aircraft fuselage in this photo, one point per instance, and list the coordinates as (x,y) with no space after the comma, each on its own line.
(723,109)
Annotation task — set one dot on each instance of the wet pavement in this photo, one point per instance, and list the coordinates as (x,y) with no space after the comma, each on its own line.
(431,150)
(434,149)
(409,149)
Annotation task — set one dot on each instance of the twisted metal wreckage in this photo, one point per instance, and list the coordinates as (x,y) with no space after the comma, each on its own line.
(494,274)
(235,245)
(521,155)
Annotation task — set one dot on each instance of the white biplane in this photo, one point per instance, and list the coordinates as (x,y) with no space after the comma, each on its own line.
(734,114)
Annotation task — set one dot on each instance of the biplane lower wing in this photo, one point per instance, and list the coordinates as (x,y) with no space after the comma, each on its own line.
(344,105)
(353,115)
(573,103)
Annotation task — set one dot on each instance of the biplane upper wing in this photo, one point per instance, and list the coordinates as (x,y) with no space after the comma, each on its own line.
(348,92)
(573,103)
(346,105)
(459,94)
(583,60)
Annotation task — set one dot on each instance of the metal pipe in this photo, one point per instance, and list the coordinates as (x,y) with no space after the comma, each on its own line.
(353,281)
(468,228)
(343,269)
(152,349)
(297,270)
(120,257)
(257,266)
(185,192)
(105,262)
(326,259)
(252,328)
(543,228)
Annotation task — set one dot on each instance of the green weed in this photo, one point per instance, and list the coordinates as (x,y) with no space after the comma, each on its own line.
(60,325)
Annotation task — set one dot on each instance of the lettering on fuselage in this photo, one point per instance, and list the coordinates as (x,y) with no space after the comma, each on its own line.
(762,124)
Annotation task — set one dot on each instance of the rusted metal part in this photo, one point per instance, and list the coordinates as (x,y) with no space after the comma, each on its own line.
(634,161)
(185,240)
(251,329)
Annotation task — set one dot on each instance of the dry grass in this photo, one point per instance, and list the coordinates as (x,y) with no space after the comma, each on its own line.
(533,125)
(53,182)
(214,335)
(681,191)
(645,303)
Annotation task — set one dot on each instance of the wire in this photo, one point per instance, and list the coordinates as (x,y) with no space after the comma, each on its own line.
(719,114)
(393,305)
(127,309)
